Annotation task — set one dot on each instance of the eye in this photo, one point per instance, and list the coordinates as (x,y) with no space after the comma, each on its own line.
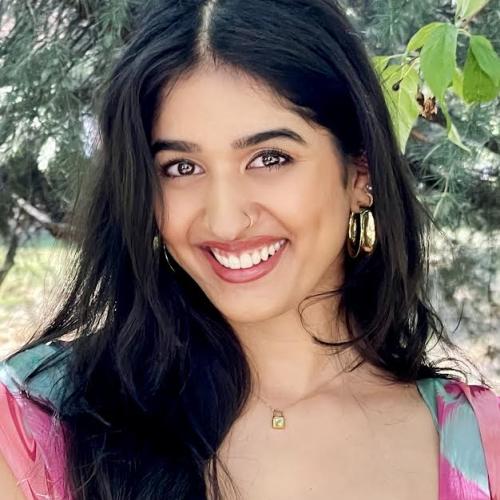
(184,168)
(270,158)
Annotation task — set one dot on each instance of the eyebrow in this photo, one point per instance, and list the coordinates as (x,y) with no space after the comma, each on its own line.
(242,143)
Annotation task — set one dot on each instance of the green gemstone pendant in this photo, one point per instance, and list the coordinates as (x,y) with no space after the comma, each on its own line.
(278,420)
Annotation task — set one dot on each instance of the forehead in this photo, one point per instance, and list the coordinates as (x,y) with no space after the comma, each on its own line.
(211,105)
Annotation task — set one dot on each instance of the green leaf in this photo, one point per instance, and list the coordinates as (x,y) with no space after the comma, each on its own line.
(420,37)
(438,59)
(486,57)
(400,85)
(453,134)
(478,86)
(454,137)
(467,8)
(380,63)
(458,83)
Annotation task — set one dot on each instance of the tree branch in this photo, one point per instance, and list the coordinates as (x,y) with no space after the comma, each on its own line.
(8,262)
(59,230)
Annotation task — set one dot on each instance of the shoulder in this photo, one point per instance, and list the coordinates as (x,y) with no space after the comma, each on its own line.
(31,438)
(38,372)
(467,417)
(9,485)
(447,398)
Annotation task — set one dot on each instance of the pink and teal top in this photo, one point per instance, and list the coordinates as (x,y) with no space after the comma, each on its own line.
(467,418)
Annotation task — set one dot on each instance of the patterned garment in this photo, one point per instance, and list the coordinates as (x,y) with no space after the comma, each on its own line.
(31,440)
(467,418)
(468,448)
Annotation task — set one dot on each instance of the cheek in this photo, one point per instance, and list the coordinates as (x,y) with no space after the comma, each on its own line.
(158,212)
(172,217)
(316,204)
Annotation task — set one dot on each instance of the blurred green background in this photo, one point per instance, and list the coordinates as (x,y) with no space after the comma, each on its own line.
(437,61)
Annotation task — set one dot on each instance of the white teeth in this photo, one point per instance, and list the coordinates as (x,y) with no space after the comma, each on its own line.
(255,257)
(247,260)
(234,262)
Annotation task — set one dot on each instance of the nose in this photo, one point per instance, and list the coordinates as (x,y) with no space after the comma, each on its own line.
(226,206)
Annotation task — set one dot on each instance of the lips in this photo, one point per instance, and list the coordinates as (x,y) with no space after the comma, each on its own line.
(245,275)
(238,247)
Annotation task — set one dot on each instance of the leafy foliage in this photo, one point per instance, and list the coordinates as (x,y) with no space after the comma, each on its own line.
(437,61)
(53,54)
(436,46)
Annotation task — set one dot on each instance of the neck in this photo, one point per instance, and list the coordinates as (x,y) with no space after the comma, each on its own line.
(286,362)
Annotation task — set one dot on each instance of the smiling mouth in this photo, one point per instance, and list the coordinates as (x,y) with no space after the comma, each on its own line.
(251,258)
(243,275)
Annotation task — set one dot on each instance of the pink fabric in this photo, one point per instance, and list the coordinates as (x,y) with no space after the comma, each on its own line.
(453,484)
(30,439)
(487,410)
(32,443)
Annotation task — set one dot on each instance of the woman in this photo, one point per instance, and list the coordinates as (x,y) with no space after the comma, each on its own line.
(247,165)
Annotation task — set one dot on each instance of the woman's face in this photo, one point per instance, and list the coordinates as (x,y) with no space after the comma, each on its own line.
(217,181)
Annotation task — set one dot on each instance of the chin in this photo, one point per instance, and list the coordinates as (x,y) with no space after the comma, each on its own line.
(249,311)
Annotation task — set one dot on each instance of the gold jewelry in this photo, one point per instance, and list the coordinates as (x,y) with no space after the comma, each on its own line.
(166,257)
(251,221)
(362,233)
(278,420)
(156,245)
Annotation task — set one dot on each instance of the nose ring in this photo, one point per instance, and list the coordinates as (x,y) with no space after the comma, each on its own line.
(251,221)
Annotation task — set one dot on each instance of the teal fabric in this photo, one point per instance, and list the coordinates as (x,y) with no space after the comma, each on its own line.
(461,449)
(462,458)
(427,389)
(49,385)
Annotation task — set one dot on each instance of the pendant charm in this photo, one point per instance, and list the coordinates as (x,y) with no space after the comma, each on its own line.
(278,420)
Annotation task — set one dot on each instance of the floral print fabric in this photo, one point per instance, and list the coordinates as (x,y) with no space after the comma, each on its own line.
(467,418)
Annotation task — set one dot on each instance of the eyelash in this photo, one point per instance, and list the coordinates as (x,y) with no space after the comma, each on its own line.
(274,151)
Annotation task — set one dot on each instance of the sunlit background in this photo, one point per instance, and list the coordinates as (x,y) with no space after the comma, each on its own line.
(54,55)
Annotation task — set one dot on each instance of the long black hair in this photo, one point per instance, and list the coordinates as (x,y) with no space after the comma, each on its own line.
(157,375)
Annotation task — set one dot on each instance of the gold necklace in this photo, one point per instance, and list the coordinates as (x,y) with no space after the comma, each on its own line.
(278,420)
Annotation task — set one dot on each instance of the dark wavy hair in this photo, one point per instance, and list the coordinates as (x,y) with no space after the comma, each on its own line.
(157,375)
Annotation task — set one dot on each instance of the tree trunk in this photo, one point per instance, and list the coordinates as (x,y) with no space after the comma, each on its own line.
(10,257)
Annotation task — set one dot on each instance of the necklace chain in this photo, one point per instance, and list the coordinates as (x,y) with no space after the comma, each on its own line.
(278,420)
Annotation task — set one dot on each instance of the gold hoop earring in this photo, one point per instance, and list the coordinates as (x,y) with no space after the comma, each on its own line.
(156,247)
(166,257)
(362,234)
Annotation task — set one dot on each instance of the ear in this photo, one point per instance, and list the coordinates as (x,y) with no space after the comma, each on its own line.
(358,179)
